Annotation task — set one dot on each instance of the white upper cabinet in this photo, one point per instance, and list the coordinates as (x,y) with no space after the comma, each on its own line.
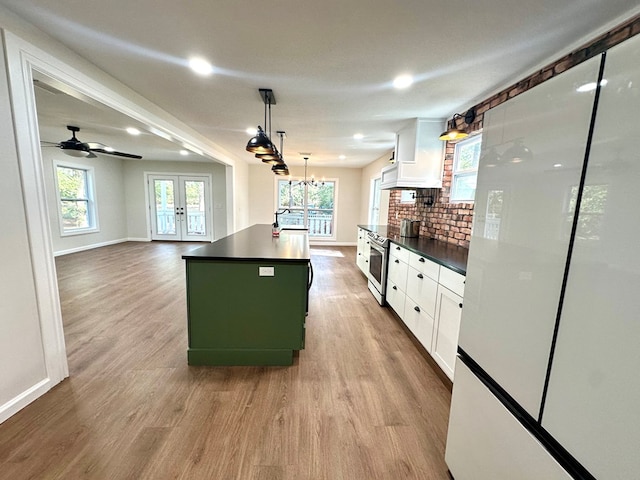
(532,152)
(593,400)
(419,156)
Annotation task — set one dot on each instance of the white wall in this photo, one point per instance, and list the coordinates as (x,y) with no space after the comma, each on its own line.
(22,363)
(135,191)
(262,195)
(370,172)
(109,197)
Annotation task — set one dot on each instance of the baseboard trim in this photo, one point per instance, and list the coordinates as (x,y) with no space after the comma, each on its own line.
(18,402)
(92,246)
(328,243)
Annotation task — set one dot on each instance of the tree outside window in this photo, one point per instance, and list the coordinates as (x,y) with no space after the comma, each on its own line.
(75,199)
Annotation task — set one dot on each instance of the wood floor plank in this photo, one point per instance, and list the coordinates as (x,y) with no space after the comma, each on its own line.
(360,402)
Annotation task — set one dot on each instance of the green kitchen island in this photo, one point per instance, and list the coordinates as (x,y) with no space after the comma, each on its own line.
(247,298)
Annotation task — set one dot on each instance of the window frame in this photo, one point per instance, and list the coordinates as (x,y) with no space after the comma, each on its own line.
(462,173)
(305,207)
(92,208)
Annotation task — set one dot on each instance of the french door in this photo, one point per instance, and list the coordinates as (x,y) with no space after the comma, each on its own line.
(180,207)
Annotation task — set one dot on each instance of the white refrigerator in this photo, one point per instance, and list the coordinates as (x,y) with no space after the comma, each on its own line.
(547,383)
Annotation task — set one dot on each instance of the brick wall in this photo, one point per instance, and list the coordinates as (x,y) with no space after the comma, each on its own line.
(451,222)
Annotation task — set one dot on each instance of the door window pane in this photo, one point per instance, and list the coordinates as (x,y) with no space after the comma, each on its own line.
(195,208)
(165,207)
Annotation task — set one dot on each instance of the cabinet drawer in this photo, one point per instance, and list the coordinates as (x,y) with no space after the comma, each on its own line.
(398,252)
(422,290)
(424,265)
(395,298)
(452,280)
(397,273)
(419,322)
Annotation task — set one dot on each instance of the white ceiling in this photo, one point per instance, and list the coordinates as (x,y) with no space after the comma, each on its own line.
(330,63)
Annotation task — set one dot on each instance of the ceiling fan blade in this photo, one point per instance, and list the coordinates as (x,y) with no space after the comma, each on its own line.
(44,143)
(115,153)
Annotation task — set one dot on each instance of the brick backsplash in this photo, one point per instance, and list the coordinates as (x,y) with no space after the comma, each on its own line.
(452,222)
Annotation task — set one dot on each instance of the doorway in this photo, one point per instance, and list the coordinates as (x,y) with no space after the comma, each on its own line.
(180,207)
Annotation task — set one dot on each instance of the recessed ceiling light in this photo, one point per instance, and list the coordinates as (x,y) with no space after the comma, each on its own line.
(588,87)
(358,136)
(557,165)
(342,157)
(252,131)
(403,81)
(200,66)
(133,131)
(184,153)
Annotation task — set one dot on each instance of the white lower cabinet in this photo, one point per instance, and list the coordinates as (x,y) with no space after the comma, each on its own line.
(419,322)
(447,329)
(428,298)
(395,298)
(363,251)
(486,442)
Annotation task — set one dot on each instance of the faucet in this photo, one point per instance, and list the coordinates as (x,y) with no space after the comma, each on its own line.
(280,212)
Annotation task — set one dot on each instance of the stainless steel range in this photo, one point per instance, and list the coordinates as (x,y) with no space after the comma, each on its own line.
(378,265)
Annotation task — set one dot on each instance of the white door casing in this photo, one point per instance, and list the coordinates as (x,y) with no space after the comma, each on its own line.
(180,207)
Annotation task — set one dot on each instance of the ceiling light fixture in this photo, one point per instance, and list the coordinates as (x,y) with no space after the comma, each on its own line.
(455,133)
(133,131)
(358,136)
(184,153)
(261,143)
(200,66)
(342,157)
(305,182)
(403,81)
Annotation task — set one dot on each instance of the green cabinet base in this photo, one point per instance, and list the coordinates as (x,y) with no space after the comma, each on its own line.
(224,356)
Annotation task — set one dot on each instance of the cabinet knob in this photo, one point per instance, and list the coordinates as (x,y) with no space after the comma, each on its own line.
(394,287)
(420,275)
(460,305)
(397,248)
(397,261)
(417,309)
(421,260)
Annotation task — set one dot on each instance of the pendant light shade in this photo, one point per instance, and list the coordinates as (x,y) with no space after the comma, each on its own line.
(455,133)
(260,144)
(280,169)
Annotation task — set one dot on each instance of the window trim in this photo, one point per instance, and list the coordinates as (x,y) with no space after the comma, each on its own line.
(92,204)
(463,173)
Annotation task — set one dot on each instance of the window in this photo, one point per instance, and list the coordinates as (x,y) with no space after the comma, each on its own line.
(591,215)
(374,204)
(76,201)
(465,170)
(408,196)
(311,205)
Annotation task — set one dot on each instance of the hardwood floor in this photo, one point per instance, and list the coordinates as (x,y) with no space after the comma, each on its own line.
(360,402)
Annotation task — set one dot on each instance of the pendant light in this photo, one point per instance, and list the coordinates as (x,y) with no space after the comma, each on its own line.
(277,157)
(455,133)
(261,144)
(280,169)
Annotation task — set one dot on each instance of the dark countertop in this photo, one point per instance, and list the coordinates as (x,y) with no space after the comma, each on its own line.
(257,243)
(447,255)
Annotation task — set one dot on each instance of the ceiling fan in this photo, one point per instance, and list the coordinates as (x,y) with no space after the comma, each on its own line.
(76,148)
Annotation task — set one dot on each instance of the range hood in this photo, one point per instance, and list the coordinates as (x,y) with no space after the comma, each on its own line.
(419,157)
